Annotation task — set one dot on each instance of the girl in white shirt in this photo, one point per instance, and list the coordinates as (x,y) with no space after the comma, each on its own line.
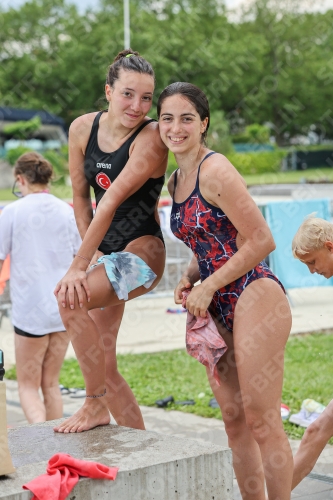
(40,235)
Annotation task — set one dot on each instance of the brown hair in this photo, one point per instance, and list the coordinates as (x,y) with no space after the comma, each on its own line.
(193,94)
(34,167)
(133,63)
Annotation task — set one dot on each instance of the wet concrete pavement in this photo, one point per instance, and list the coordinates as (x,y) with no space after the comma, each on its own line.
(151,465)
(190,426)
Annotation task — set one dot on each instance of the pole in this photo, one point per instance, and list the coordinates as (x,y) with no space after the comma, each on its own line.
(2,365)
(127,33)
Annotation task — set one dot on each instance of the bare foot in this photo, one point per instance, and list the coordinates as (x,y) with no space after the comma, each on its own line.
(92,414)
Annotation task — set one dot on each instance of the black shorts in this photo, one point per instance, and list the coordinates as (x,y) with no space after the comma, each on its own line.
(18,331)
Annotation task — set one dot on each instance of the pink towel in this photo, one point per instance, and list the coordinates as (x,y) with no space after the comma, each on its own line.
(63,473)
(203,340)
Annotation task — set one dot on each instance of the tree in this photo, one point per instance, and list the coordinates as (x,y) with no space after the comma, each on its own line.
(292,67)
(273,65)
(218,133)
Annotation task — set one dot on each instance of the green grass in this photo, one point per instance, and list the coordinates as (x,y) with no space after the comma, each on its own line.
(58,190)
(308,374)
(290,177)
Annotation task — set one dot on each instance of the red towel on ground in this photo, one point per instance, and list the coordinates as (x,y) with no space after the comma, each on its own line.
(63,473)
(203,340)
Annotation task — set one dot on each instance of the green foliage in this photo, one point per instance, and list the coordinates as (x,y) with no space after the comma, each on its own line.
(13,154)
(258,133)
(172,164)
(11,373)
(254,133)
(59,161)
(267,66)
(23,129)
(257,163)
(242,138)
(218,137)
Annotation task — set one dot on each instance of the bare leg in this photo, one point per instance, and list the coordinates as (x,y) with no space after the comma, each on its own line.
(313,442)
(245,450)
(86,338)
(54,357)
(261,328)
(120,398)
(29,354)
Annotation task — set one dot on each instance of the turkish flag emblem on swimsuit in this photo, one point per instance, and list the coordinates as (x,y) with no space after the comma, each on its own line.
(103,180)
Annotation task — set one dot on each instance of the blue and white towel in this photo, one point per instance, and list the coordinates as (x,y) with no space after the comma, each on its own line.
(126,272)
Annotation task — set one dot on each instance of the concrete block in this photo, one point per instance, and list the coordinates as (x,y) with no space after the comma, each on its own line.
(152,466)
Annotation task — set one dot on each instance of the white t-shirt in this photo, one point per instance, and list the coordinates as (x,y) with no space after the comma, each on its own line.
(40,234)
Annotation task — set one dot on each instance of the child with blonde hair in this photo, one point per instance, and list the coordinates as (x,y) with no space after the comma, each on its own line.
(313,245)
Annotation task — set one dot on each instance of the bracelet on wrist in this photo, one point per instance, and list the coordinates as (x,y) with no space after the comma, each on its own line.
(81,257)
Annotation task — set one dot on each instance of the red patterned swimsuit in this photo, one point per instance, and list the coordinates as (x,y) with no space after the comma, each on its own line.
(208,232)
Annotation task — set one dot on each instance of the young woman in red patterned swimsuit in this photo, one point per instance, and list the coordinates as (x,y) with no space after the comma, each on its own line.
(216,217)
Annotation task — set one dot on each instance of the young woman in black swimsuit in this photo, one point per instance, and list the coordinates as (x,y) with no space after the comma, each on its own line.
(120,154)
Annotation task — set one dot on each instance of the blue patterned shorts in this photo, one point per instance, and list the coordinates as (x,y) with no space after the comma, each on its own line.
(126,272)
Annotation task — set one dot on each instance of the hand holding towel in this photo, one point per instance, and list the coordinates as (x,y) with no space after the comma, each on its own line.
(203,340)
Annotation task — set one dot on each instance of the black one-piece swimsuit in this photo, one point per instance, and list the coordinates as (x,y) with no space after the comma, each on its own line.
(136,216)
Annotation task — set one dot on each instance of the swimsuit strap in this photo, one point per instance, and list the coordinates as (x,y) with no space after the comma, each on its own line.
(94,128)
(97,118)
(205,158)
(197,182)
(136,133)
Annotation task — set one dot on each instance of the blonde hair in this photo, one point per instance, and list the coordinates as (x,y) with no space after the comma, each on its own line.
(312,234)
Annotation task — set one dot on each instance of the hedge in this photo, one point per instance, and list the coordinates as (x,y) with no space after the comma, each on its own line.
(257,163)
(13,155)
(58,159)
(247,163)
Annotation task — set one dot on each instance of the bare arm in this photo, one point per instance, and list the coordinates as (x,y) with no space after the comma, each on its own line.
(148,156)
(222,186)
(192,272)
(78,138)
(255,240)
(187,281)
(1,264)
